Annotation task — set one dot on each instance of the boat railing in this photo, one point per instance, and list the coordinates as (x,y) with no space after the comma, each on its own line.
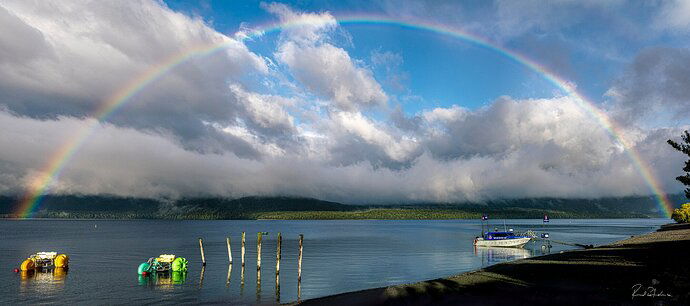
(530,233)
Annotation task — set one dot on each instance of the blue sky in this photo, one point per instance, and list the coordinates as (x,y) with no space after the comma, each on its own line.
(435,70)
(443,70)
(358,113)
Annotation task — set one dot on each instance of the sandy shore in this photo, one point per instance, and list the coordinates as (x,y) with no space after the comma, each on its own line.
(658,263)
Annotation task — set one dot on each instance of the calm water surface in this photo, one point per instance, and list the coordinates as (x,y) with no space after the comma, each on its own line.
(339,256)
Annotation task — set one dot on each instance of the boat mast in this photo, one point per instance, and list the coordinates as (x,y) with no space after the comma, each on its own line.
(482,222)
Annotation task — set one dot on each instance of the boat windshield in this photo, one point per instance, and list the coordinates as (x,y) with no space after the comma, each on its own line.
(500,234)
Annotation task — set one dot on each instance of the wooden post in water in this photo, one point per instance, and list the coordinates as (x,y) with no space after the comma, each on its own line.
(201,247)
(299,267)
(279,243)
(258,250)
(227,240)
(242,252)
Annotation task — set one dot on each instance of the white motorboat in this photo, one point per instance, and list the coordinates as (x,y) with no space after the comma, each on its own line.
(501,239)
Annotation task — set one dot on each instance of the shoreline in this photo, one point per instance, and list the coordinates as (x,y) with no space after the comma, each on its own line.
(647,269)
(13,217)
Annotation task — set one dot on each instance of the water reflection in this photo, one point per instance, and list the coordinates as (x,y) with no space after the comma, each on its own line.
(227,283)
(43,281)
(201,276)
(163,280)
(277,288)
(494,255)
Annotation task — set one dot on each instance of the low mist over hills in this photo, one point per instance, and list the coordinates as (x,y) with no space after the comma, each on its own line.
(76,206)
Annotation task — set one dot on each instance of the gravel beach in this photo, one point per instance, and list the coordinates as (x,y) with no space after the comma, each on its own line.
(648,269)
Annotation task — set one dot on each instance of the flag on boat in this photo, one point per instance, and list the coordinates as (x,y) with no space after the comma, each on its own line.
(485,217)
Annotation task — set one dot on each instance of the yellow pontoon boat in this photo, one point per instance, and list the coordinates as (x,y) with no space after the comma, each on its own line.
(45,260)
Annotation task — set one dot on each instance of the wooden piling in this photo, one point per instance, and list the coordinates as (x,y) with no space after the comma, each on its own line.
(201,248)
(242,252)
(227,240)
(258,250)
(279,241)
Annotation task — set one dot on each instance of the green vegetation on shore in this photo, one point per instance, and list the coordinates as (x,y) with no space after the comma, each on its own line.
(682,214)
(684,147)
(370,214)
(287,208)
(429,214)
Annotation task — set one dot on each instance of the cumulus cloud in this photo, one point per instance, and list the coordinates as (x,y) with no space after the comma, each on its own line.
(357,138)
(266,113)
(219,125)
(544,153)
(508,125)
(68,58)
(302,27)
(326,70)
(442,114)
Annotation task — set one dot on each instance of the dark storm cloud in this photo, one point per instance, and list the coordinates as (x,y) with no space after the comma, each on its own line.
(657,81)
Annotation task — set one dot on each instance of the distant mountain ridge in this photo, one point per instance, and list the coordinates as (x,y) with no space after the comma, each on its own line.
(82,206)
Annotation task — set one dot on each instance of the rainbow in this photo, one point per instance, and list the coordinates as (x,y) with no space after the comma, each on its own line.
(50,173)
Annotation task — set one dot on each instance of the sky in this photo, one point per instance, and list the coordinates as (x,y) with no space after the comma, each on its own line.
(350,112)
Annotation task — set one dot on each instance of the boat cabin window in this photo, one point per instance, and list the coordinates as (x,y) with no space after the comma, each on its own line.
(500,234)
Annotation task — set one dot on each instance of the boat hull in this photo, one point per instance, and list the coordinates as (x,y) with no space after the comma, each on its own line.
(506,243)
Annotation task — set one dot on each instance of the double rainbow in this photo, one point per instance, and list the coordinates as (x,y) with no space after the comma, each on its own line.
(61,157)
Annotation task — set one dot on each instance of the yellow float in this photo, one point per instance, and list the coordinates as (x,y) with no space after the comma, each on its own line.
(45,260)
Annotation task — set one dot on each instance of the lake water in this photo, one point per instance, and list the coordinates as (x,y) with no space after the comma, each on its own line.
(339,256)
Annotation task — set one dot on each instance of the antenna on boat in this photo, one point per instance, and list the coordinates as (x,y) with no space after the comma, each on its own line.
(505,229)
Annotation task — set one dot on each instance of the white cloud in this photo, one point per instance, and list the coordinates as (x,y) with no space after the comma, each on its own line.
(63,58)
(324,69)
(442,114)
(329,72)
(301,27)
(399,149)
(549,149)
(210,127)
(266,111)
